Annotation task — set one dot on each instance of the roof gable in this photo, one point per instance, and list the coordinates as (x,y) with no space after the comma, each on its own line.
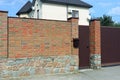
(26,8)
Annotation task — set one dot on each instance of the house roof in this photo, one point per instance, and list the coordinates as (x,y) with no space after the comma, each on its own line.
(33,2)
(69,2)
(26,8)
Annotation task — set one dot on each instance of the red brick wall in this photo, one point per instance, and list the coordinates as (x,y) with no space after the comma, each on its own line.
(95,37)
(3,33)
(30,38)
(95,44)
(37,46)
(75,34)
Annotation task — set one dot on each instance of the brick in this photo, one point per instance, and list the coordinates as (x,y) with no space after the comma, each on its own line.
(35,40)
(95,44)
(75,34)
(3,33)
(36,34)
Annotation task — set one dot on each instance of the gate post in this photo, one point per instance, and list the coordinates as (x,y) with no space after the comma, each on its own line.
(75,40)
(3,34)
(74,35)
(95,44)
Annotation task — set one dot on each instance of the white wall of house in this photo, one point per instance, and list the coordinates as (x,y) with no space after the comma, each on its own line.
(24,15)
(31,14)
(54,11)
(58,12)
(83,14)
(37,6)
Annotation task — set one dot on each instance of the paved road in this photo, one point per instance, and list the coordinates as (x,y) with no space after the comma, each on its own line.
(106,73)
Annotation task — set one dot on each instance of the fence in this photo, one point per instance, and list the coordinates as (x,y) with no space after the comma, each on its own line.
(37,46)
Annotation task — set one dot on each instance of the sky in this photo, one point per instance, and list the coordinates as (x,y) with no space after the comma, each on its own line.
(107,7)
(100,7)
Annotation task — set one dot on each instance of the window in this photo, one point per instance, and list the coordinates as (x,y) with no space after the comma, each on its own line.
(37,13)
(75,13)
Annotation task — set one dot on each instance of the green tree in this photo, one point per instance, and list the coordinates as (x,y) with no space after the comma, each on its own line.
(106,20)
(116,24)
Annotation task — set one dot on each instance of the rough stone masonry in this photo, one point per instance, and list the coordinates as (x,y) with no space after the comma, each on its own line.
(12,68)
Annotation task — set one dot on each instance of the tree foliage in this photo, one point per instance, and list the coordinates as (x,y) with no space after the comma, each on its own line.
(106,20)
(116,25)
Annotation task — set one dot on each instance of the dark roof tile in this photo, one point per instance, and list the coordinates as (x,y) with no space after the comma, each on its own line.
(69,2)
(26,8)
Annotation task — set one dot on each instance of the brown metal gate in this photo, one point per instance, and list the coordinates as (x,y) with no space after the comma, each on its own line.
(84,51)
(110,45)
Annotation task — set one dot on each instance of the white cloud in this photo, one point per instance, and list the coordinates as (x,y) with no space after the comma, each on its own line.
(114,11)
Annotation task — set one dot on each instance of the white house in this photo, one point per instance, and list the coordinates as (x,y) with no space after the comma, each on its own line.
(56,10)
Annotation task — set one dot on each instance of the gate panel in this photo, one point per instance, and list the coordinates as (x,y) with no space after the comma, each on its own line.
(84,52)
(110,45)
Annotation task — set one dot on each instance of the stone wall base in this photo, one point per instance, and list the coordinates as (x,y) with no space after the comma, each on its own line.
(10,68)
(95,61)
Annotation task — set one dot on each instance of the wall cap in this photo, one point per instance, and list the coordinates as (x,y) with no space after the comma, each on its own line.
(36,19)
(95,20)
(4,11)
(73,18)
